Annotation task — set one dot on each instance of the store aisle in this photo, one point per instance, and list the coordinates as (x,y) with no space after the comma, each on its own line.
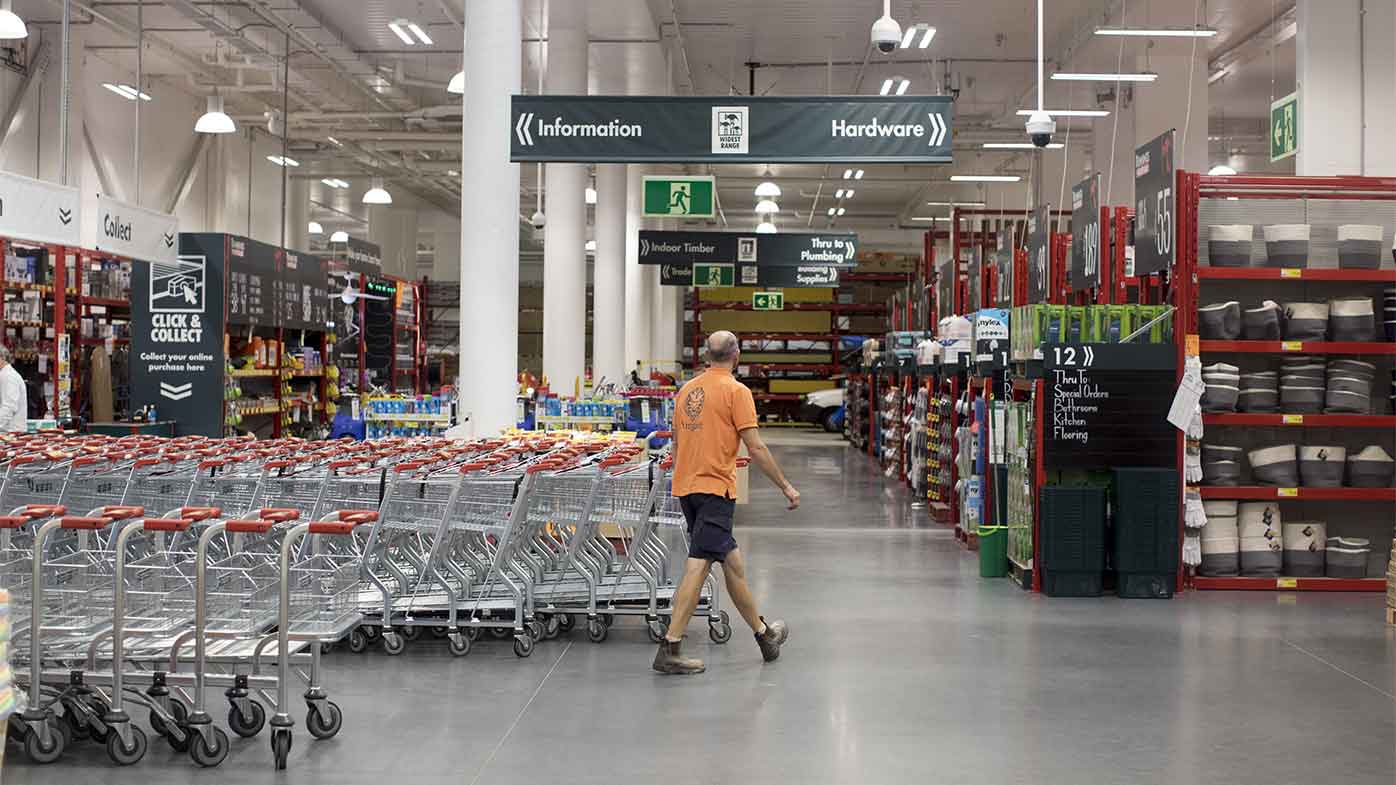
(903,666)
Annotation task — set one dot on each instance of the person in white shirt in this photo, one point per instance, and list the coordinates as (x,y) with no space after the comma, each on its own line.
(14,398)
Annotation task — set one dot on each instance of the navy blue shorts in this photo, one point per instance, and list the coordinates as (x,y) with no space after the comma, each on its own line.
(709,525)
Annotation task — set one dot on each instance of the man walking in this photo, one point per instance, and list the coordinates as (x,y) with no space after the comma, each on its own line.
(714,412)
(14,398)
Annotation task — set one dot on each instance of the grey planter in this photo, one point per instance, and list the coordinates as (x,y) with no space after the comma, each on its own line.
(1220,321)
(1321,466)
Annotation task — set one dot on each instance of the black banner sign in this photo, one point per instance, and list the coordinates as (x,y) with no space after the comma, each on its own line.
(303,296)
(1154,225)
(731,129)
(1085,234)
(1107,405)
(1003,263)
(252,277)
(1039,254)
(780,277)
(794,250)
(177,335)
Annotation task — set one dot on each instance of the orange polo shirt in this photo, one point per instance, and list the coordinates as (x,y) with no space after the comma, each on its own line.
(711,411)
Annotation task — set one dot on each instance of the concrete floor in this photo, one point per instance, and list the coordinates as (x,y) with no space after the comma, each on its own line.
(903,666)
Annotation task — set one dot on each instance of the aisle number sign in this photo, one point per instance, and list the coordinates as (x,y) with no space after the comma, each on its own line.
(768,301)
(713,275)
(1284,127)
(684,197)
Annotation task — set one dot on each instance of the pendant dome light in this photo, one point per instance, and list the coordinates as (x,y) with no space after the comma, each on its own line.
(214,120)
(457,84)
(767,207)
(315,228)
(11,26)
(765,227)
(377,194)
(340,236)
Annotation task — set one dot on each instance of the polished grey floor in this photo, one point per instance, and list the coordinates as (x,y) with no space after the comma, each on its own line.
(903,667)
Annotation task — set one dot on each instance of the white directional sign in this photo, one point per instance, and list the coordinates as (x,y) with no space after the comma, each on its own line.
(134,232)
(38,210)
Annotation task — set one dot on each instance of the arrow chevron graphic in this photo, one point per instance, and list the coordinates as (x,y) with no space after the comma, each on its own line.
(169,240)
(176,392)
(521,129)
(65,216)
(938,129)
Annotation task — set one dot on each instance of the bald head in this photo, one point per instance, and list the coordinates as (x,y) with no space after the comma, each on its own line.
(722,348)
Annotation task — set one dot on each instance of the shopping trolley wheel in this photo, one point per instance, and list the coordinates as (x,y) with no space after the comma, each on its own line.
(552,627)
(500,633)
(440,632)
(412,633)
(393,644)
(566,621)
(597,630)
(38,752)
(720,632)
(179,713)
(205,755)
(608,618)
(324,725)
(123,755)
(458,644)
(535,630)
(473,633)
(523,645)
(372,631)
(280,746)
(247,726)
(656,630)
(358,640)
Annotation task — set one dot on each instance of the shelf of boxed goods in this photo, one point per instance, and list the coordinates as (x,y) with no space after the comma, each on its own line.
(1289,584)
(1301,420)
(1300,347)
(1267,492)
(1294,274)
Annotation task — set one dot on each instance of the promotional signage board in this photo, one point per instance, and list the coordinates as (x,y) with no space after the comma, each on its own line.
(1003,263)
(676,275)
(713,275)
(731,129)
(252,281)
(1154,225)
(804,277)
(134,232)
(659,247)
(1085,234)
(177,335)
(303,298)
(767,301)
(1107,405)
(39,211)
(1039,237)
(678,197)
(363,256)
(1284,127)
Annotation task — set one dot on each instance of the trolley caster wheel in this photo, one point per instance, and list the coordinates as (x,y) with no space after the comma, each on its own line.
(472,633)
(249,726)
(523,645)
(123,755)
(535,630)
(40,753)
(439,632)
(552,627)
(720,632)
(324,725)
(656,630)
(393,644)
(325,647)
(608,619)
(725,618)
(205,755)
(500,633)
(566,621)
(372,632)
(458,644)
(597,630)
(179,713)
(411,633)
(281,746)
(358,641)
(78,729)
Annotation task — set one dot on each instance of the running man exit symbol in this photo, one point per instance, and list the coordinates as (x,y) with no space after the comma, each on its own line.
(668,197)
(680,198)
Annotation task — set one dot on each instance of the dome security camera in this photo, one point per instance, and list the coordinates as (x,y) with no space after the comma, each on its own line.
(538,219)
(886,33)
(1040,128)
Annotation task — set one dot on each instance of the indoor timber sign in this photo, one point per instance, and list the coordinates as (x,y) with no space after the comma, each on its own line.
(787,249)
(678,197)
(731,129)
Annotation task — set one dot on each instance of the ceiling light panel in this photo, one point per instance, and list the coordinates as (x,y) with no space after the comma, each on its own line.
(421,34)
(399,28)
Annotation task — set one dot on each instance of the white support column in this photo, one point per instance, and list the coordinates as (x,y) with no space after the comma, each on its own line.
(608,322)
(664,342)
(564,235)
(489,275)
(1345,70)
(298,214)
(638,291)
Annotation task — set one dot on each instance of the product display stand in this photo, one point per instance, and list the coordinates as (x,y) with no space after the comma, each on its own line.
(103,296)
(39,319)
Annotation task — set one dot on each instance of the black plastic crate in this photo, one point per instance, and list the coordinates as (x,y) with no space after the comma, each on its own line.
(1145,585)
(1145,521)
(1073,529)
(1072,584)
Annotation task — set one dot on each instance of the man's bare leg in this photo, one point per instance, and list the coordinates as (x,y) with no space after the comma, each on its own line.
(685,600)
(734,574)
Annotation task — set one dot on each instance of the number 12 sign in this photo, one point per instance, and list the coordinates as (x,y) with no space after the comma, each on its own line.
(1154,225)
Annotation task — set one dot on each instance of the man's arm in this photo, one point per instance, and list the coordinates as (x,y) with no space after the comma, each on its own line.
(9,397)
(761,456)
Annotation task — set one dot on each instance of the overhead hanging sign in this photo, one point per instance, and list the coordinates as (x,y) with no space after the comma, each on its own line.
(768,301)
(39,211)
(1003,265)
(1039,238)
(1284,127)
(1154,225)
(802,277)
(303,297)
(1085,234)
(678,197)
(658,247)
(134,232)
(731,129)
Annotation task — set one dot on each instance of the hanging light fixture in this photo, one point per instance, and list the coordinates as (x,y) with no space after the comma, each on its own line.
(377,194)
(340,236)
(768,189)
(457,84)
(11,26)
(214,120)
(591,195)
(1221,170)
(315,228)
(767,207)
(765,227)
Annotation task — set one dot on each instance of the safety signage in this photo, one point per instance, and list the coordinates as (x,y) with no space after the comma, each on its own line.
(713,275)
(791,250)
(767,301)
(39,211)
(678,197)
(731,129)
(134,232)
(1284,127)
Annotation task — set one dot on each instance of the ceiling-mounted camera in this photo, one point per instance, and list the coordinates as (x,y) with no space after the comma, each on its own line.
(1040,128)
(886,33)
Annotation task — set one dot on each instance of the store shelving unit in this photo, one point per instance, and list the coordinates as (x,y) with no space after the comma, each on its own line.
(1299,347)
(1268,493)
(1301,420)
(43,348)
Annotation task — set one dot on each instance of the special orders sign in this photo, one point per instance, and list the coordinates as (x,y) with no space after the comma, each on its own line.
(177,340)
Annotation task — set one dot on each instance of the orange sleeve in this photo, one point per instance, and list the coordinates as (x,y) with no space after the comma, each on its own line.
(743,409)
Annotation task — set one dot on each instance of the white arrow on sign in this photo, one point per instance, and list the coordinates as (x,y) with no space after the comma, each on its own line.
(938,129)
(848,252)
(644,247)
(176,392)
(521,129)
(1090,355)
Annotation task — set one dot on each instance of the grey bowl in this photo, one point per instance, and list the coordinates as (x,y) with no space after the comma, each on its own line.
(1225,473)
(1220,321)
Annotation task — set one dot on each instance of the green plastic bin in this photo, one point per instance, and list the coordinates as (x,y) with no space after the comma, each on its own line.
(993,551)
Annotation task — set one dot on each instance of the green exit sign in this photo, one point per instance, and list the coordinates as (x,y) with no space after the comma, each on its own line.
(1284,127)
(768,301)
(713,275)
(683,197)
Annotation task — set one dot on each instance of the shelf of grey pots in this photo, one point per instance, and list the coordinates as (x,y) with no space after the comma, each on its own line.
(1287,245)
(1346,557)
(1321,466)
(1222,387)
(1302,394)
(1352,319)
(1229,245)
(1306,321)
(1277,465)
(1221,543)
(1304,545)
(1372,467)
(1263,323)
(1349,387)
(1260,527)
(1219,321)
(1260,392)
(1359,246)
(1388,312)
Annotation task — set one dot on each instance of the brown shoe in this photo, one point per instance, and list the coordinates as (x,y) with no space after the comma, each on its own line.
(669,660)
(771,640)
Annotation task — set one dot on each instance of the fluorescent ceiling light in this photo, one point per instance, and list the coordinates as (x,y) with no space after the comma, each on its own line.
(399,28)
(420,33)
(590,246)
(1218,75)
(315,228)
(840,211)
(1019,145)
(927,34)
(886,86)
(377,194)
(214,120)
(831,212)
(768,189)
(765,227)
(955,204)
(334,141)
(1221,169)
(124,90)
(457,84)
(1158,32)
(847,173)
(11,26)
(334,182)
(985,178)
(838,194)
(591,195)
(910,36)
(1067,112)
(340,236)
(858,175)
(848,194)
(1061,76)
(280,161)
(452,173)
(767,207)
(926,218)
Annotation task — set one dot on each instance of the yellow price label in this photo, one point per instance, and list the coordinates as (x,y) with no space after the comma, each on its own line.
(1192,347)
(1287,492)
(1291,272)
(1292,346)
(1294,419)
(1286,583)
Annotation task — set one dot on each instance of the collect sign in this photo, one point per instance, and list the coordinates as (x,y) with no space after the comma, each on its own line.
(1153,209)
(177,336)
(39,211)
(1107,405)
(1039,237)
(1085,234)
(134,232)
(795,250)
(731,129)
(1284,127)
(683,197)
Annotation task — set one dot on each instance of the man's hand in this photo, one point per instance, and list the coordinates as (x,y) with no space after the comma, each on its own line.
(792,496)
